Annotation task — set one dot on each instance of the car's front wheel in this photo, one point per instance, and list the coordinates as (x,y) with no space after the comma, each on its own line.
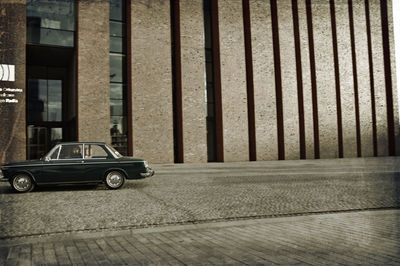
(115,179)
(22,183)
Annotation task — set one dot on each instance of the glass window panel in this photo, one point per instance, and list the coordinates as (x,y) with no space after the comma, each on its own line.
(71,151)
(118,125)
(37,100)
(54,155)
(117,29)
(37,137)
(95,151)
(117,107)
(117,8)
(53,37)
(117,68)
(116,91)
(117,45)
(56,136)
(209,72)
(54,107)
(55,14)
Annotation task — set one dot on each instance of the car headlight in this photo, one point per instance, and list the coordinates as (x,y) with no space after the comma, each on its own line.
(146,164)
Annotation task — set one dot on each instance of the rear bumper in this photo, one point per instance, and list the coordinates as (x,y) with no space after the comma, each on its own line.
(149,172)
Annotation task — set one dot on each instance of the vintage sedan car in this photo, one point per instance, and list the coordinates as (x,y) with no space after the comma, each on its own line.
(75,163)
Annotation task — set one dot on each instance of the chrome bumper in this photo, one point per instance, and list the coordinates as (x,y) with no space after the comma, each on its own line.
(150,172)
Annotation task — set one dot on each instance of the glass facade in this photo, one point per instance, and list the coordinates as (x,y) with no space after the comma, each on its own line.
(51,22)
(118,94)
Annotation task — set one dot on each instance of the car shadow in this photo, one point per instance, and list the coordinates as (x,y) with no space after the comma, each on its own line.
(72,187)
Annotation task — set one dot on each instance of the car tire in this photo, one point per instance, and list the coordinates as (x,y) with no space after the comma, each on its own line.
(114,179)
(22,183)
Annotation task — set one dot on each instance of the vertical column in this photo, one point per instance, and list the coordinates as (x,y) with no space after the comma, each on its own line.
(346,79)
(392,33)
(12,80)
(379,77)
(93,59)
(264,81)
(233,81)
(193,86)
(151,81)
(306,79)
(289,84)
(364,91)
(325,79)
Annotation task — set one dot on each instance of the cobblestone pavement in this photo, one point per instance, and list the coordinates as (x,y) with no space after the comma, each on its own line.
(193,193)
(346,238)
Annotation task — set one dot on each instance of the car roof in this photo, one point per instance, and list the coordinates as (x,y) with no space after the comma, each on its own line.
(81,142)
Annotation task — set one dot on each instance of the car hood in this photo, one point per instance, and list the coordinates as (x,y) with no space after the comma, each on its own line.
(24,163)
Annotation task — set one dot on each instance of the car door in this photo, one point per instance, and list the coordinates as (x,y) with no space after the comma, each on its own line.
(67,167)
(97,161)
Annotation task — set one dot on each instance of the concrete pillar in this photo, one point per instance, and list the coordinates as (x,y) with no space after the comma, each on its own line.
(364,86)
(379,77)
(289,82)
(12,80)
(264,80)
(233,81)
(93,72)
(193,83)
(306,79)
(152,110)
(346,78)
(395,66)
(325,75)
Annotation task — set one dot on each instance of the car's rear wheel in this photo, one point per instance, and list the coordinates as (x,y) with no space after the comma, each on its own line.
(22,183)
(114,179)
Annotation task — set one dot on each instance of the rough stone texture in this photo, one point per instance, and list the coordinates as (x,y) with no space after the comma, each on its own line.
(325,79)
(264,80)
(364,84)
(306,74)
(379,77)
(12,52)
(152,114)
(394,77)
(289,81)
(93,71)
(233,81)
(346,77)
(187,193)
(193,83)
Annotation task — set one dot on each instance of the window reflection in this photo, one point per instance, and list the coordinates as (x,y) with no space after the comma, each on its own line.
(51,22)
(118,119)
(117,67)
(45,100)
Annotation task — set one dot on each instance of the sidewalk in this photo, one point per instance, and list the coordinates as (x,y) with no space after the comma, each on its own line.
(348,238)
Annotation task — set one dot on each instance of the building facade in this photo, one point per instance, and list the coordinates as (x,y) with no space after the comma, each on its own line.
(200,80)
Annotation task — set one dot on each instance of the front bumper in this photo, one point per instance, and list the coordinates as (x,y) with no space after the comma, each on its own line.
(149,172)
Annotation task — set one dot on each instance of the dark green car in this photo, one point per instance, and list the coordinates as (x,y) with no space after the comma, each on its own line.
(75,163)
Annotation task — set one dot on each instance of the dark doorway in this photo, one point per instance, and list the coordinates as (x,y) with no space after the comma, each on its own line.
(50,98)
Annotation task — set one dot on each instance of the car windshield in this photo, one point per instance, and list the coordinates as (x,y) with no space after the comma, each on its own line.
(114,151)
(52,152)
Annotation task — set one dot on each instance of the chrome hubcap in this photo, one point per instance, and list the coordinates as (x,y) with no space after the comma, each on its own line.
(22,183)
(114,179)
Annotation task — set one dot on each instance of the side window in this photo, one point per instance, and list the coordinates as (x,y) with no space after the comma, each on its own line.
(54,155)
(71,151)
(95,151)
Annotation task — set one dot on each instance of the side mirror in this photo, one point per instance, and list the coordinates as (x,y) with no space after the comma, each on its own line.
(47,159)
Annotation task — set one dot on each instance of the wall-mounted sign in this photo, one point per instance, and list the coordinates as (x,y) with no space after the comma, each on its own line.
(7,72)
(9,95)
